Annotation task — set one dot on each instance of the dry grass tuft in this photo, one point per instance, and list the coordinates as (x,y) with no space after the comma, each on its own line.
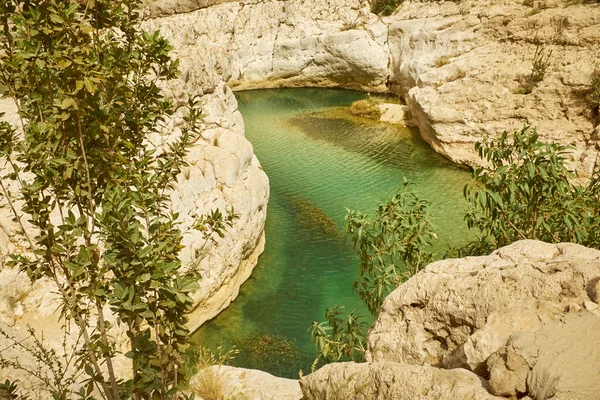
(368,108)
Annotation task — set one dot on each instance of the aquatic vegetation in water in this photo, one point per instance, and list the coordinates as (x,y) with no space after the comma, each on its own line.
(267,351)
(312,217)
(368,108)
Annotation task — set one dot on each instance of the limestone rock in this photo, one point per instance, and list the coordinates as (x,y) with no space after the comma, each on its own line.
(389,380)
(527,315)
(461,68)
(250,384)
(289,44)
(595,291)
(393,113)
(441,308)
(159,8)
(222,173)
(559,361)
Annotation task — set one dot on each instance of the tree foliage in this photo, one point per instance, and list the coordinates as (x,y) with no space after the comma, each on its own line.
(340,337)
(527,192)
(85,79)
(391,247)
(384,7)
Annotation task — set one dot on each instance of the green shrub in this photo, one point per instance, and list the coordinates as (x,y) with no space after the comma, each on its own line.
(527,193)
(392,247)
(340,337)
(540,64)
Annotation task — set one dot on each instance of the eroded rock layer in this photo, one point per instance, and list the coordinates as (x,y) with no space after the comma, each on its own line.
(463,68)
(284,43)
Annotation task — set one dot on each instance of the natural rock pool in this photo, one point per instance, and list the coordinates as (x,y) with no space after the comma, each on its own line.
(321,160)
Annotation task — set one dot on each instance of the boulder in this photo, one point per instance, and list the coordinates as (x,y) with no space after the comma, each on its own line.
(390,380)
(222,173)
(159,8)
(559,361)
(393,113)
(434,317)
(527,315)
(225,382)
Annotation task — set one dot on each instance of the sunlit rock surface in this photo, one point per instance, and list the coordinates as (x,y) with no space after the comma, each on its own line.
(461,67)
(284,43)
(241,383)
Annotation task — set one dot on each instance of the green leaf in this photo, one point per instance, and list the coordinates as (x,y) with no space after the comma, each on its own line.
(56,18)
(147,314)
(69,102)
(89,85)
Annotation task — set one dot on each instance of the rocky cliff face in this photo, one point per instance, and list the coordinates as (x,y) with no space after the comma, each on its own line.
(291,43)
(519,322)
(461,67)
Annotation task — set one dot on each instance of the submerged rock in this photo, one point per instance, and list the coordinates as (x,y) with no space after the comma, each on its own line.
(312,218)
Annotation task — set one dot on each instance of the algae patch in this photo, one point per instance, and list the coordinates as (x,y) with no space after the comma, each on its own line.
(313,218)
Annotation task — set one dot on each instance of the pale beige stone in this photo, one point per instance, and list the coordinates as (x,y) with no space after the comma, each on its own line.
(459,67)
(247,384)
(393,113)
(282,44)
(392,381)
(526,315)
(559,361)
(440,309)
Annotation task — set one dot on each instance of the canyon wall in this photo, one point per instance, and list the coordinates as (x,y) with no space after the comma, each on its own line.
(263,44)
(463,70)
(462,67)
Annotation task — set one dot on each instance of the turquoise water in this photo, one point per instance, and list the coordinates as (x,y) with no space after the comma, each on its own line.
(320,160)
